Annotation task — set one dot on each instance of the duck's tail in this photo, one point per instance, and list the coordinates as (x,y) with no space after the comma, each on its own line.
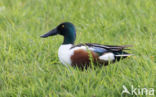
(121,55)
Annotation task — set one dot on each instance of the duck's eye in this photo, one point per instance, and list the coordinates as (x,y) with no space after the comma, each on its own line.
(62,26)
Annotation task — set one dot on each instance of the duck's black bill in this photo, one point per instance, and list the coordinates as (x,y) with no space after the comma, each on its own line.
(50,33)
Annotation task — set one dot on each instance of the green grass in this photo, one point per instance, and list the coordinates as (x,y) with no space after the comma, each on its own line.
(29,66)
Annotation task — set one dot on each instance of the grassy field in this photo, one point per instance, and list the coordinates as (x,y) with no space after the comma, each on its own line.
(29,65)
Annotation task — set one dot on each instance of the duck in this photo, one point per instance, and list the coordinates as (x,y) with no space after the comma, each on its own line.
(87,54)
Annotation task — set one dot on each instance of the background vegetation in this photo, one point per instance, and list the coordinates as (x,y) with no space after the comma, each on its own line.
(29,66)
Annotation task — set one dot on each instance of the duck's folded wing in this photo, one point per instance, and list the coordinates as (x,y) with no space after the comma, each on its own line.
(109,47)
(100,49)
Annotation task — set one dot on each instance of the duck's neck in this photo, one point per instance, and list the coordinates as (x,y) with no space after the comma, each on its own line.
(69,39)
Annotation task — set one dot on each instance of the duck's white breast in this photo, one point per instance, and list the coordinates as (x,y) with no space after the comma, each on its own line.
(64,54)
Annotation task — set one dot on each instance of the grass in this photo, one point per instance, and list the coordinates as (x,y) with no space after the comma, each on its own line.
(29,66)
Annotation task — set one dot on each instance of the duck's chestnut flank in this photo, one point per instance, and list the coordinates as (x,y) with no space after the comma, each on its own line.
(82,58)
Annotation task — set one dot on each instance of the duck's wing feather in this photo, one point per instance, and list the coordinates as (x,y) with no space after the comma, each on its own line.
(109,47)
(103,48)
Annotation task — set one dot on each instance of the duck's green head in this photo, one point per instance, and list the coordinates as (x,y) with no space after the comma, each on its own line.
(65,29)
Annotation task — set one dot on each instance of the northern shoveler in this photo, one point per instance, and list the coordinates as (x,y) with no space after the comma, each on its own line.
(83,54)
